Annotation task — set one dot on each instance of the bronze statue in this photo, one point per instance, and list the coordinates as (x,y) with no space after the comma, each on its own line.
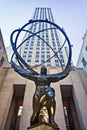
(44,95)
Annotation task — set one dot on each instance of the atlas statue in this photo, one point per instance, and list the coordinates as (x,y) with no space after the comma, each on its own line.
(44,96)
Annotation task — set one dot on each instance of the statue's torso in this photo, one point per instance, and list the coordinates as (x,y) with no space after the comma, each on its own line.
(43,87)
(42,80)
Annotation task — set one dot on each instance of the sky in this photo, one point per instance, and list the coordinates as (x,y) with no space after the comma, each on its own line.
(69,14)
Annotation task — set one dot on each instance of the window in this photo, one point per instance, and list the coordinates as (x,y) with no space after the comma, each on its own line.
(31,48)
(48,56)
(84,62)
(86,48)
(56,61)
(26,48)
(43,52)
(63,64)
(38,44)
(18,114)
(61,56)
(29,60)
(25,51)
(42,36)
(42,56)
(24,56)
(16,107)
(30,51)
(36,60)
(37,52)
(62,60)
(69,108)
(37,56)
(66,108)
(42,60)
(47,48)
(54,48)
(32,42)
(48,52)
(56,64)
(31,45)
(42,44)
(38,48)
(1,61)
(29,56)
(27,42)
(42,48)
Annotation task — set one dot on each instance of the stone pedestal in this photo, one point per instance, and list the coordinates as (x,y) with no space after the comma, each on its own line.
(42,126)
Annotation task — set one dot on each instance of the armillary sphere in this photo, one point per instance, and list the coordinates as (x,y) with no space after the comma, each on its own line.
(21,64)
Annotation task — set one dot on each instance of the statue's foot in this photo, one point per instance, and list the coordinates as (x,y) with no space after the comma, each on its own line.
(53,123)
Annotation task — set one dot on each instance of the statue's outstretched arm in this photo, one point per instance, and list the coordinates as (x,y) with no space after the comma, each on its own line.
(25,73)
(60,76)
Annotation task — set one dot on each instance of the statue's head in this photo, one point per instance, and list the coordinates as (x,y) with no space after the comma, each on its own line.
(43,70)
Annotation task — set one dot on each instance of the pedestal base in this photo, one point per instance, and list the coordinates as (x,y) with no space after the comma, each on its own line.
(42,126)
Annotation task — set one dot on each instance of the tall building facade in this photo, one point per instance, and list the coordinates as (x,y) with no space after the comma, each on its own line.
(16,94)
(9,52)
(3,55)
(36,49)
(82,59)
(3,60)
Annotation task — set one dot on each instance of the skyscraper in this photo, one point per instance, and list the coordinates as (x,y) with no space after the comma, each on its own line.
(82,59)
(36,49)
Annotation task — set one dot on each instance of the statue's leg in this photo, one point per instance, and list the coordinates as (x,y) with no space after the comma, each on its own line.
(51,111)
(36,107)
(51,107)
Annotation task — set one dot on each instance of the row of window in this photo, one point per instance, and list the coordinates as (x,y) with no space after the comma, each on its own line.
(42,13)
(54,37)
(42,52)
(47,62)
